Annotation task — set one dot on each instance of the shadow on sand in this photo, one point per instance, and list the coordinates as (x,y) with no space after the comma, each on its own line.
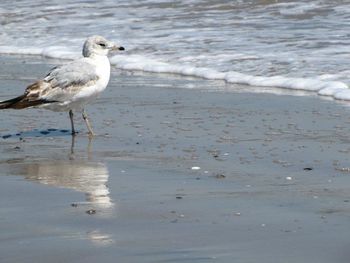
(39,133)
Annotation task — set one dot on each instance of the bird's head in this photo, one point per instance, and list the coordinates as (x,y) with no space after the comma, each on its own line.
(97,45)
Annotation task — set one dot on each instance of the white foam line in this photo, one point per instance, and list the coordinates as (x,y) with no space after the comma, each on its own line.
(336,89)
(51,52)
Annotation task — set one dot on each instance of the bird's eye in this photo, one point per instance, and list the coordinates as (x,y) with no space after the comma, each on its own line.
(102,44)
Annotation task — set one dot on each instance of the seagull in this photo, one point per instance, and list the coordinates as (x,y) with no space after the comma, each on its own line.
(71,86)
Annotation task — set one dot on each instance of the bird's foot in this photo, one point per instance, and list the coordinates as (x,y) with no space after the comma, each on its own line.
(92,135)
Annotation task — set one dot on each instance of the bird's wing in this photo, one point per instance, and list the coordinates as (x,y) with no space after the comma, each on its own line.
(63,82)
(76,73)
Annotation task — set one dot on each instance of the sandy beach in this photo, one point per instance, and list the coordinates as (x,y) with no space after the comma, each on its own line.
(182,170)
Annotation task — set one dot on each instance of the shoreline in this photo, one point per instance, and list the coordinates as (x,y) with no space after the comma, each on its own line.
(176,174)
(275,84)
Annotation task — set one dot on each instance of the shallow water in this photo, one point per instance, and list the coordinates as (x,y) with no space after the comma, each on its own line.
(230,40)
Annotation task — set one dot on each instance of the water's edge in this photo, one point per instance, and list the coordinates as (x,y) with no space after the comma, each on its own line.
(335,89)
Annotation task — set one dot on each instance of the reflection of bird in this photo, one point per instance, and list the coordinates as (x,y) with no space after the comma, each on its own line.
(71,86)
(89,178)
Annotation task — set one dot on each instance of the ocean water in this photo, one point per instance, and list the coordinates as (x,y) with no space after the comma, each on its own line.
(298,45)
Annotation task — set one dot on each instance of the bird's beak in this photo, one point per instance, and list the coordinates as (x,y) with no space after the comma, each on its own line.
(116,47)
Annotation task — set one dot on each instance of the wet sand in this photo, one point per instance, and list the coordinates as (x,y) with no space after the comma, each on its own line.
(178,173)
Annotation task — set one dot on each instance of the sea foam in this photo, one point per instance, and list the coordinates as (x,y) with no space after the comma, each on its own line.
(336,89)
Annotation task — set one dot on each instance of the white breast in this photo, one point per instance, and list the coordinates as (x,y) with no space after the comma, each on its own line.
(103,70)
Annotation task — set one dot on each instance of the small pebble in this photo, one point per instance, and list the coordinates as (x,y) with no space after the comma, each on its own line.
(91,211)
(220,176)
(308,169)
(74,205)
(195,168)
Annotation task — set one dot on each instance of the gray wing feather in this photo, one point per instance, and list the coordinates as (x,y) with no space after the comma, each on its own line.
(76,73)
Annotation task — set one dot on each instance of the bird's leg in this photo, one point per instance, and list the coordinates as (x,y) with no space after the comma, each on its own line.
(72,122)
(91,132)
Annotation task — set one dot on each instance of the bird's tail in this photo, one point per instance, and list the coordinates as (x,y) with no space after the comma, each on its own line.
(12,103)
(22,102)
